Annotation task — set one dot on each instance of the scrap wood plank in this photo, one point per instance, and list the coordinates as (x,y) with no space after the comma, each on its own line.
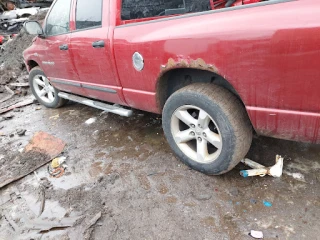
(42,148)
(19,84)
(23,103)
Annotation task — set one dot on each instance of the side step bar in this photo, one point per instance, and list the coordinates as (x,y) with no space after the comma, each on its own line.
(96,104)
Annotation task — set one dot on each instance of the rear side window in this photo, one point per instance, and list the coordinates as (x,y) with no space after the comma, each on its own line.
(132,9)
(59,17)
(88,13)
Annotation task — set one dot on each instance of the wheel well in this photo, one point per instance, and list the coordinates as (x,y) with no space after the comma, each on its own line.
(32,64)
(176,79)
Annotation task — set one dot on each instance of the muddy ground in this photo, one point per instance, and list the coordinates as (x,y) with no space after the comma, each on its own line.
(123,168)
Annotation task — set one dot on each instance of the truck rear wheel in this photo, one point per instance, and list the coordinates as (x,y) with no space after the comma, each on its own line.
(42,89)
(207,128)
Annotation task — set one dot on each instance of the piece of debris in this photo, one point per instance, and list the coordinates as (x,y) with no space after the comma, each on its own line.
(40,150)
(4,198)
(256,234)
(267,203)
(297,176)
(19,84)
(42,194)
(57,167)
(11,94)
(202,197)
(11,223)
(42,197)
(21,132)
(7,117)
(90,121)
(260,170)
(253,201)
(23,103)
(45,225)
(88,228)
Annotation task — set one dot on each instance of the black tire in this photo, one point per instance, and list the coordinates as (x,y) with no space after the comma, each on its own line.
(58,101)
(228,114)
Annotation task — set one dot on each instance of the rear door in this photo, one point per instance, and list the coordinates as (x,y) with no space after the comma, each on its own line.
(91,51)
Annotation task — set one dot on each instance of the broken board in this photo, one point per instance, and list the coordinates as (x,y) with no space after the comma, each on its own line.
(42,148)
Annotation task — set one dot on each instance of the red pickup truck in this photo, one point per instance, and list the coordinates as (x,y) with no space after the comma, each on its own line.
(217,70)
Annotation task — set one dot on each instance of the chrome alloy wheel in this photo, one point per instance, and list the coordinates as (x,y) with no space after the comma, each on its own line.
(43,89)
(196,134)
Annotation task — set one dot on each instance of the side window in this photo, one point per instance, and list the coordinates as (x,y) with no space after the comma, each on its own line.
(59,17)
(88,14)
(152,8)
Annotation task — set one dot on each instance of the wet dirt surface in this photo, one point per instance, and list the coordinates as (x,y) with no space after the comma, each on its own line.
(123,168)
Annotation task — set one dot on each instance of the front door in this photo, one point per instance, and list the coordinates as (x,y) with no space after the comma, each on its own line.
(91,51)
(58,65)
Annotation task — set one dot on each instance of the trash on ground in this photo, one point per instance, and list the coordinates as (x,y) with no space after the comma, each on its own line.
(40,150)
(260,170)
(90,121)
(21,132)
(57,167)
(256,234)
(267,203)
(297,176)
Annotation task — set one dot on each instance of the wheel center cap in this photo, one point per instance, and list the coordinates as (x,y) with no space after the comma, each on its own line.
(198,130)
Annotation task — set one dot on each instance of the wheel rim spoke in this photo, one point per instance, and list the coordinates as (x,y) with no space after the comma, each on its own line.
(202,150)
(40,82)
(213,138)
(185,117)
(50,96)
(51,89)
(42,92)
(46,81)
(184,136)
(203,119)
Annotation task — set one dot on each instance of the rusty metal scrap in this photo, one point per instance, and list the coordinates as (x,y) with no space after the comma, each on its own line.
(188,63)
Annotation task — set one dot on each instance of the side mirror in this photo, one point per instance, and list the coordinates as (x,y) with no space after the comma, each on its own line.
(33,28)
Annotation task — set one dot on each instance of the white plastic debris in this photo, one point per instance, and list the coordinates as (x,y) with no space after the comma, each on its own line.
(90,121)
(297,176)
(256,234)
(260,170)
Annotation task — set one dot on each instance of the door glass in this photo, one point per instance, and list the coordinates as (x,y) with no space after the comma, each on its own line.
(59,17)
(88,14)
